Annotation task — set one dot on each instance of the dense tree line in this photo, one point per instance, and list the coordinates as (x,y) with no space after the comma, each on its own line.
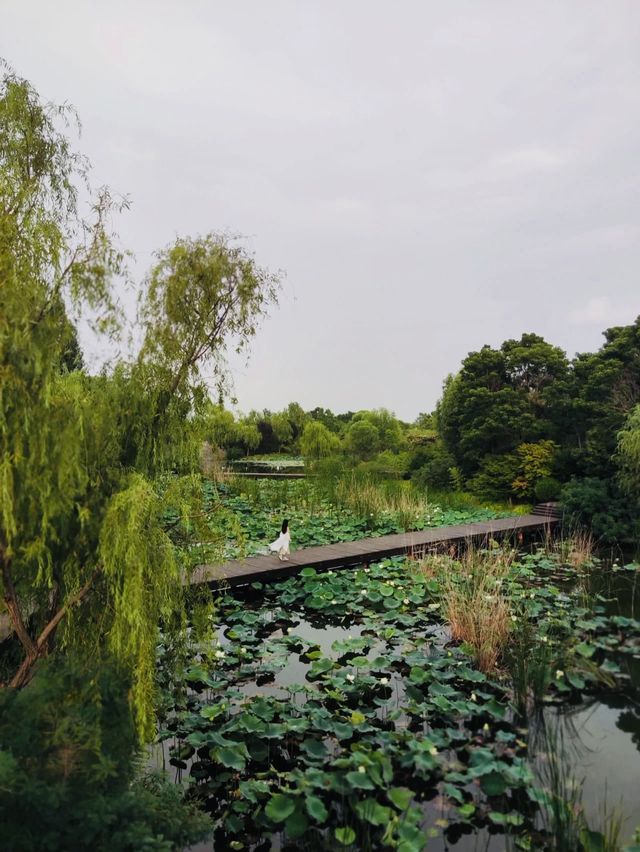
(525,421)
(522,422)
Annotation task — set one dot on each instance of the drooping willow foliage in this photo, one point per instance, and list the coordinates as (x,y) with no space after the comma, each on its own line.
(629,454)
(85,559)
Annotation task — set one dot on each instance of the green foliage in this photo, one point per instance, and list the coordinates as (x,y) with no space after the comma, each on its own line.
(433,465)
(599,505)
(325,510)
(534,462)
(317,442)
(68,771)
(560,418)
(350,733)
(201,294)
(362,439)
(494,479)
(628,455)
(547,488)
(83,546)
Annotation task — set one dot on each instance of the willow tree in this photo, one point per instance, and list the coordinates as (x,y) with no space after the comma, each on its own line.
(628,455)
(85,561)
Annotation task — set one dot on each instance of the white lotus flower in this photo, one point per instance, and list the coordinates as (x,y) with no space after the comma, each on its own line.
(362,769)
(384,680)
(219,654)
(485,727)
(514,618)
(474,696)
(351,678)
(406,601)
(559,673)
(433,750)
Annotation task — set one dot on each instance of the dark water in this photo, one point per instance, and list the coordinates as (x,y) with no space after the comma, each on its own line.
(600,739)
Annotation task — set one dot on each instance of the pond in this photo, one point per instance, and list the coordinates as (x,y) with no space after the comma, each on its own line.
(336,711)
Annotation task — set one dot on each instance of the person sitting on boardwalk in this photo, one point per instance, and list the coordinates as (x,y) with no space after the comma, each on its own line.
(281,544)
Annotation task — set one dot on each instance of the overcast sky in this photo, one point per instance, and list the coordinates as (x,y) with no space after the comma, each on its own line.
(430,176)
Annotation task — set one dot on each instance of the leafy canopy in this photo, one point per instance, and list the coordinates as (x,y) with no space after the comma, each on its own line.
(86,560)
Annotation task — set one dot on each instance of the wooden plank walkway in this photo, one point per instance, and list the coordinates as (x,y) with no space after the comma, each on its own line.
(267,568)
(265,474)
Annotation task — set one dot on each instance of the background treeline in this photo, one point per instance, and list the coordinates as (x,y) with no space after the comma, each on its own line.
(519,423)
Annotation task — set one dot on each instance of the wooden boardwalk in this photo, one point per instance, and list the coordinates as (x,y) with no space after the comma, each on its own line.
(266,568)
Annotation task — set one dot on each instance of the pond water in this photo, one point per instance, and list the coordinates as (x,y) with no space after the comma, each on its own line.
(598,735)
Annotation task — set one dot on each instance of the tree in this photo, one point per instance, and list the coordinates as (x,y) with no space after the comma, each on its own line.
(68,780)
(220,426)
(628,456)
(387,426)
(362,439)
(606,387)
(432,466)
(317,442)
(85,560)
(297,418)
(535,462)
(282,430)
(248,436)
(501,399)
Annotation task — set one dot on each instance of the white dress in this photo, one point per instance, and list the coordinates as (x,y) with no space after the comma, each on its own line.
(281,545)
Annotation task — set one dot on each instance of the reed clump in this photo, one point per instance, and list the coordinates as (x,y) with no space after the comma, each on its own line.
(576,550)
(473,602)
(368,498)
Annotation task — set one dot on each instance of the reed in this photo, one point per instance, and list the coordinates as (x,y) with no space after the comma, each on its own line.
(473,602)
(367,498)
(565,824)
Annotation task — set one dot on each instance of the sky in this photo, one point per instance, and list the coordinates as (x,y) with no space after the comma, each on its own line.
(429,177)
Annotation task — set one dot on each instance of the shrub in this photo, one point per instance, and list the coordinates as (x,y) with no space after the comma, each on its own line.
(598,504)
(495,477)
(68,759)
(435,470)
(547,488)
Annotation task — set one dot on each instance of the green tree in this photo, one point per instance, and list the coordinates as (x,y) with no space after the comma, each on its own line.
(433,465)
(501,399)
(362,439)
(387,426)
(606,387)
(248,436)
(85,561)
(220,426)
(317,442)
(535,461)
(297,419)
(282,430)
(628,456)
(68,754)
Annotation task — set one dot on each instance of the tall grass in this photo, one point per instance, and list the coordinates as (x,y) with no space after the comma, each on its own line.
(473,602)
(367,497)
(530,663)
(361,495)
(576,550)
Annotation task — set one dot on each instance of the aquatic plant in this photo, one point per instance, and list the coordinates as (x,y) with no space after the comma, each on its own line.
(473,600)
(565,826)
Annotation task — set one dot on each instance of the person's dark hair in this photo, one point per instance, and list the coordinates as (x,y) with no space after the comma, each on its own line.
(285,526)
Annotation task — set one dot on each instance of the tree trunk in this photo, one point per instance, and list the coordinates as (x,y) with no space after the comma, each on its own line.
(13,605)
(40,648)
